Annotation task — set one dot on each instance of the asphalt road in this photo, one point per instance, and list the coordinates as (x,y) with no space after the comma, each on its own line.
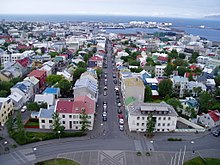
(107,136)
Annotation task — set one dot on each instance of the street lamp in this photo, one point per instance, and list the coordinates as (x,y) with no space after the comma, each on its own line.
(192,142)
(59,134)
(5,142)
(152,144)
(34,149)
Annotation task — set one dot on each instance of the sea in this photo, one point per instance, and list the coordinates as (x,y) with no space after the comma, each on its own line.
(190,26)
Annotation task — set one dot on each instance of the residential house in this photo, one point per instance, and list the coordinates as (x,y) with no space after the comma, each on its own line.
(85,86)
(144,75)
(17,100)
(41,76)
(65,73)
(164,116)
(46,118)
(6,110)
(95,61)
(133,87)
(35,82)
(190,107)
(45,98)
(210,119)
(54,91)
(12,71)
(51,64)
(26,65)
(159,70)
(153,84)
(180,84)
(70,111)
(208,72)
(46,68)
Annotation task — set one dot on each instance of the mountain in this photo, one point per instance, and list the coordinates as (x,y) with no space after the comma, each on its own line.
(213,17)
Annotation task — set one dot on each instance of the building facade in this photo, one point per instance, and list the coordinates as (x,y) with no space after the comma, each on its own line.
(6,110)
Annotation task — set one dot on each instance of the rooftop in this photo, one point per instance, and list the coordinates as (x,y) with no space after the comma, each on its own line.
(51,90)
(37,73)
(133,82)
(47,113)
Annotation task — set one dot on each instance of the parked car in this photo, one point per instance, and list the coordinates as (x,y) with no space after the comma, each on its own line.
(104,103)
(114,75)
(119,111)
(105,83)
(216,133)
(121,121)
(119,104)
(120,116)
(104,118)
(115,81)
(24,108)
(105,88)
(121,127)
(105,93)
(104,114)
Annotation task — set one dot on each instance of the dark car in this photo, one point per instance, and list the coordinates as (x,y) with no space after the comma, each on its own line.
(104,118)
(119,111)
(115,81)
(114,75)
(216,133)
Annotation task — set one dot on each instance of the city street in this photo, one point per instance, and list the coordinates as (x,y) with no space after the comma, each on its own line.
(107,144)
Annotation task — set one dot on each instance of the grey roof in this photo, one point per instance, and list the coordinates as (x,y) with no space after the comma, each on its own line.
(47,113)
(158,109)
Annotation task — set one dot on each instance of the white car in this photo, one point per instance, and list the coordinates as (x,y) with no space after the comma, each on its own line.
(121,121)
(104,114)
(24,108)
(121,127)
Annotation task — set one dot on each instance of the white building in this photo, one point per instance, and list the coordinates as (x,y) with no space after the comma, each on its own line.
(180,84)
(210,119)
(6,110)
(164,116)
(159,70)
(45,98)
(46,118)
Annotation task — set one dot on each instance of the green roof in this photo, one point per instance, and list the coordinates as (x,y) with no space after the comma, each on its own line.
(129,100)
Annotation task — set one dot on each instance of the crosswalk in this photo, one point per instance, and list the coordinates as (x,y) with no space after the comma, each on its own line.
(23,156)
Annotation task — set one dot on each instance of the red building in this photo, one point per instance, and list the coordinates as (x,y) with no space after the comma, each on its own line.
(41,76)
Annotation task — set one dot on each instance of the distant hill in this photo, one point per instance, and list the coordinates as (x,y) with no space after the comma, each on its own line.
(213,17)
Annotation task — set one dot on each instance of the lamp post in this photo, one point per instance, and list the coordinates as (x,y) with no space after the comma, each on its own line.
(151,144)
(192,142)
(59,134)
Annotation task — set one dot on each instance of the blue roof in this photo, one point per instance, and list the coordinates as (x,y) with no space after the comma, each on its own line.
(51,90)
(21,86)
(46,113)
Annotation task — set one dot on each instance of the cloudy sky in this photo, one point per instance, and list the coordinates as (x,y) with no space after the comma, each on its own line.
(160,8)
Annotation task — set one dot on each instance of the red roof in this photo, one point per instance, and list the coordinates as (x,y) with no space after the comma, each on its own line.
(139,56)
(76,106)
(188,73)
(24,47)
(24,62)
(102,51)
(193,67)
(215,115)
(162,58)
(95,58)
(37,73)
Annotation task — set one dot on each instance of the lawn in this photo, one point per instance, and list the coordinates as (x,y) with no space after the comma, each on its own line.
(29,123)
(58,162)
(200,161)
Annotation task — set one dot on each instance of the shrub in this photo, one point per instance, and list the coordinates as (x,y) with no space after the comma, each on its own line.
(174,139)
(138,153)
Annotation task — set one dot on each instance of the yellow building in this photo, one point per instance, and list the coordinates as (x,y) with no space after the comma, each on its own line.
(6,110)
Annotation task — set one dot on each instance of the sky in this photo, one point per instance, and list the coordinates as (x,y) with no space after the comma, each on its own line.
(157,8)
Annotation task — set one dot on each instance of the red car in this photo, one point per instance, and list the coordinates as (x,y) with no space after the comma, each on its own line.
(120,116)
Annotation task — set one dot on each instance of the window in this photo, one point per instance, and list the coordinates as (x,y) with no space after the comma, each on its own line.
(163,130)
(142,124)
(168,124)
(164,118)
(50,121)
(64,122)
(137,124)
(163,124)
(158,124)
(70,116)
(42,121)
(169,118)
(143,118)
(63,116)
(89,117)
(159,118)
(138,118)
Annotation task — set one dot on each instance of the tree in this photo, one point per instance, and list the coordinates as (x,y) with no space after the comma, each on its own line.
(190,78)
(20,125)
(53,54)
(10,125)
(53,79)
(136,70)
(194,57)
(64,86)
(217,80)
(82,64)
(175,103)
(206,101)
(180,62)
(182,56)
(84,121)
(150,61)
(128,51)
(197,91)
(147,94)
(173,54)
(169,69)
(99,72)
(3,93)
(133,62)
(77,73)
(165,87)
(181,70)
(33,106)
(57,127)
(150,125)
(86,57)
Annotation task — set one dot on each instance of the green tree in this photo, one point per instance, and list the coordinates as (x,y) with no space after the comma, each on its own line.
(128,51)
(58,129)
(86,57)
(197,91)
(33,106)
(217,80)
(181,70)
(82,64)
(169,69)
(84,121)
(194,57)
(206,101)
(53,79)
(147,94)
(3,93)
(165,87)
(133,62)
(10,125)
(77,73)
(136,70)
(150,61)
(99,72)
(64,86)
(53,54)
(150,125)
(180,62)
(182,56)
(20,125)
(175,103)
(190,78)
